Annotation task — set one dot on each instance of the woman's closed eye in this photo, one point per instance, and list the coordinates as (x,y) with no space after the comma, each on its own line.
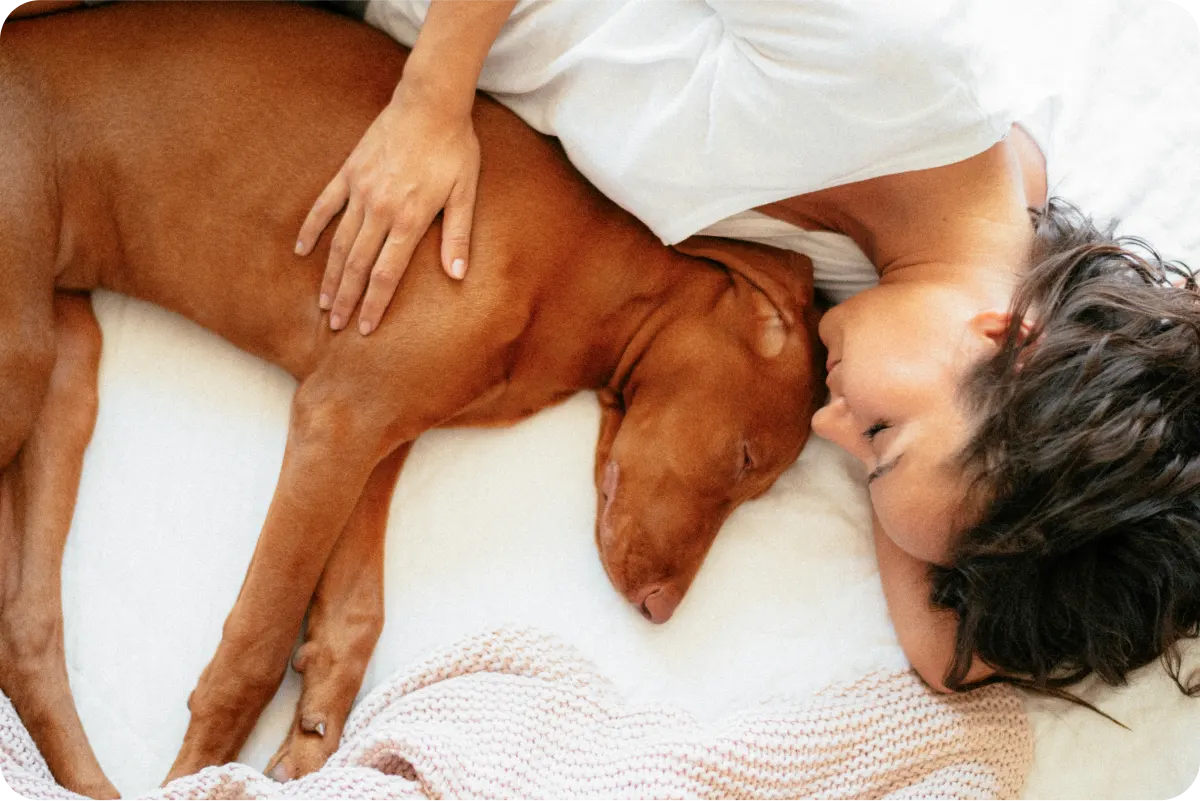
(875,430)
(870,435)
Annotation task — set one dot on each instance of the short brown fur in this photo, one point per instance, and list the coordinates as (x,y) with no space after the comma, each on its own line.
(170,152)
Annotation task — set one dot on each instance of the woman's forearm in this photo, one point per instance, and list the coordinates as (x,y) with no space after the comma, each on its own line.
(419,157)
(37,7)
(926,633)
(448,55)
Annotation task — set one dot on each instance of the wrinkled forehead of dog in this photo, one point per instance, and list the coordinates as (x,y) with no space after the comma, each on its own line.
(769,309)
(743,371)
(772,292)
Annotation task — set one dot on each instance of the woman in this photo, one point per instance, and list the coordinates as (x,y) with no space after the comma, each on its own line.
(1025,398)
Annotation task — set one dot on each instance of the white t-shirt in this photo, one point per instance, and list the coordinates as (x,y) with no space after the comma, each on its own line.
(687,112)
(840,268)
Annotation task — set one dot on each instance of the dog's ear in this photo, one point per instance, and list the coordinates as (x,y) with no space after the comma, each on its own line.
(783,280)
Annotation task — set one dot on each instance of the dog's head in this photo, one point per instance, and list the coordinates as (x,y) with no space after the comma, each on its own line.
(717,406)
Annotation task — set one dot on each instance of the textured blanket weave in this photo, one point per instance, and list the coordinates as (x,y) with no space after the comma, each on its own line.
(514,713)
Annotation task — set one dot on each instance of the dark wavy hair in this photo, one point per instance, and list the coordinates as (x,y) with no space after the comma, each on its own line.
(1086,463)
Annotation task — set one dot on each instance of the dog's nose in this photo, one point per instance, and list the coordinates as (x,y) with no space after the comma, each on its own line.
(658,602)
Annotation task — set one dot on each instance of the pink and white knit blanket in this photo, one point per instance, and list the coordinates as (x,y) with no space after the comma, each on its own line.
(517,714)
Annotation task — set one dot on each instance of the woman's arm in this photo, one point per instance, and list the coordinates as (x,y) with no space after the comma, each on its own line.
(420,156)
(37,7)
(926,633)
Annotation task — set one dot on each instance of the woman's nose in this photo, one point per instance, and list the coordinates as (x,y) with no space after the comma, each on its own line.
(835,422)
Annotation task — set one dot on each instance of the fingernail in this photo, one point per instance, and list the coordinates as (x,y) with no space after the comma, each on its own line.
(325,303)
(458,268)
(299,247)
(364,327)
(335,322)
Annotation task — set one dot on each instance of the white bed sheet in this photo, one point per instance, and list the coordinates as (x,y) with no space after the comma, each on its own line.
(496,526)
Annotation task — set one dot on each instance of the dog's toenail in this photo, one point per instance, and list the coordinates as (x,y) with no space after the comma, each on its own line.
(280,773)
(313,724)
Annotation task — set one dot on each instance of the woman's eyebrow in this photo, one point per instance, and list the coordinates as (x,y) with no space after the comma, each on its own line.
(883,469)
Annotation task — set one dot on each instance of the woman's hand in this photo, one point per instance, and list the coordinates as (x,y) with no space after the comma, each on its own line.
(419,157)
(415,160)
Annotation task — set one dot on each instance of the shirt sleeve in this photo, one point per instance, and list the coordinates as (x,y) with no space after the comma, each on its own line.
(685,112)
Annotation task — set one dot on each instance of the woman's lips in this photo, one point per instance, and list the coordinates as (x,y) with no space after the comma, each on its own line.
(832,378)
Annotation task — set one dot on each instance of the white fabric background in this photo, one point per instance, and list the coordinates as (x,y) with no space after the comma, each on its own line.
(496,526)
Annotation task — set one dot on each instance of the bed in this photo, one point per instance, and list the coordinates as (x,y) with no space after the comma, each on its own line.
(494,528)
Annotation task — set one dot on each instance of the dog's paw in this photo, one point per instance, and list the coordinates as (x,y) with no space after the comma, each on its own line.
(332,677)
(100,789)
(308,745)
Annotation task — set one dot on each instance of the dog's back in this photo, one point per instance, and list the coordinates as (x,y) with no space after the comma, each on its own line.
(191,181)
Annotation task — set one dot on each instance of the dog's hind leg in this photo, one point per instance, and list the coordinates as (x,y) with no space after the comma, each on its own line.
(344,623)
(39,489)
(29,236)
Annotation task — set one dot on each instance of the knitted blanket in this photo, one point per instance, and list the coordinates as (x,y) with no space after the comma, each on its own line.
(517,714)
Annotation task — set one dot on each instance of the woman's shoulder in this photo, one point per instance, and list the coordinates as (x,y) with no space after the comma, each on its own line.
(897,217)
(1033,163)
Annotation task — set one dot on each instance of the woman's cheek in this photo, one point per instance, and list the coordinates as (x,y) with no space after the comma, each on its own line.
(907,526)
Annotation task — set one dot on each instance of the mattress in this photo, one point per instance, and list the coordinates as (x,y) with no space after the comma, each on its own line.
(495,527)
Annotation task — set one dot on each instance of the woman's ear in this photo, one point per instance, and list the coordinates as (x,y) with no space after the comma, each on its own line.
(992,327)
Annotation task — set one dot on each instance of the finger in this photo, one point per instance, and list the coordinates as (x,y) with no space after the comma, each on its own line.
(328,203)
(339,250)
(359,264)
(389,269)
(456,229)
(401,243)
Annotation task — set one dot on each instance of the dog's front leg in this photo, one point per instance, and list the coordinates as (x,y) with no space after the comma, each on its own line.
(344,623)
(370,395)
(334,442)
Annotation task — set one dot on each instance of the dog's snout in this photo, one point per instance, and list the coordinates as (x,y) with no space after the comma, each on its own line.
(658,602)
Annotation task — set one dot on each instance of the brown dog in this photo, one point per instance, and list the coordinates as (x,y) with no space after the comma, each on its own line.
(170,152)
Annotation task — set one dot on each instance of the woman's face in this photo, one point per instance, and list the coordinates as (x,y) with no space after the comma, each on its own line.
(897,355)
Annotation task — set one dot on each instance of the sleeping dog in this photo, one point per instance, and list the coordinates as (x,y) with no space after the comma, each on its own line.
(170,152)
